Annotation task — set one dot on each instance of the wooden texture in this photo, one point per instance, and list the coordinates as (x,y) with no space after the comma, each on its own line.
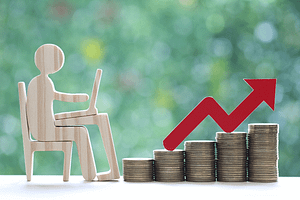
(102,121)
(41,93)
(92,110)
(32,145)
(49,59)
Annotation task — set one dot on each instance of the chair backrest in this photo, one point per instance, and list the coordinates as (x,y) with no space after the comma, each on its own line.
(24,122)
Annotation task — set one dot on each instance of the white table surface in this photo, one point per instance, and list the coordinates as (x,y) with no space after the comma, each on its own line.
(52,187)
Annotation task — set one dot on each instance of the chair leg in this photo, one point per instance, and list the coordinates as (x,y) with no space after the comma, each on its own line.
(67,161)
(28,163)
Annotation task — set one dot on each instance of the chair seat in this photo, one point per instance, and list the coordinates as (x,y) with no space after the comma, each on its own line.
(50,146)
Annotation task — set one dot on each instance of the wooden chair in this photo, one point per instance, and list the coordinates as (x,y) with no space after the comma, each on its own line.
(33,145)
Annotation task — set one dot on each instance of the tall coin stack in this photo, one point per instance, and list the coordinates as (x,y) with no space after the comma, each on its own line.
(231,156)
(138,169)
(169,165)
(200,160)
(263,152)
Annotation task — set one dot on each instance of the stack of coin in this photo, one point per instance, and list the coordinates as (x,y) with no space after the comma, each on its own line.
(200,161)
(169,165)
(231,156)
(138,169)
(263,152)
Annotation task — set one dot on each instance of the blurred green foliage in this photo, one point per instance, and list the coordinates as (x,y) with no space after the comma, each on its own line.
(159,60)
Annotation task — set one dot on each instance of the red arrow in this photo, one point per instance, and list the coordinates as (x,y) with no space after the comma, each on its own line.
(263,90)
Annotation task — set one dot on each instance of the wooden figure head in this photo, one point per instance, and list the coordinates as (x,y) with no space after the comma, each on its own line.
(49,58)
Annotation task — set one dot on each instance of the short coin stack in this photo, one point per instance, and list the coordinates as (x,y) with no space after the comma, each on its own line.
(231,156)
(263,152)
(200,160)
(169,165)
(138,169)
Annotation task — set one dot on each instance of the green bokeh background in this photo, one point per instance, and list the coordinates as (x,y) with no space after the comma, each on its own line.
(159,60)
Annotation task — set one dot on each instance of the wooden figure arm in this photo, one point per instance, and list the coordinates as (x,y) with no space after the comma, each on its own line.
(71,97)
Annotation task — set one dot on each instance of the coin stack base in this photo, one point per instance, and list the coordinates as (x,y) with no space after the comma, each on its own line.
(231,157)
(263,152)
(200,161)
(169,165)
(138,169)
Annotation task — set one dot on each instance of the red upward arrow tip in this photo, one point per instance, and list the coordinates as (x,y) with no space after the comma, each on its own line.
(264,89)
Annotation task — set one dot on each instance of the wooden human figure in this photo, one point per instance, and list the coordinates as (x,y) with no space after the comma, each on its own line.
(49,59)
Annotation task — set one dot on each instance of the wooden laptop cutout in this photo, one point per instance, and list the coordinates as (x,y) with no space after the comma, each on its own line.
(92,110)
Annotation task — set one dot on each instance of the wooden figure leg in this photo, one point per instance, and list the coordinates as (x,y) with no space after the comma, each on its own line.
(81,137)
(101,120)
(67,161)
(105,130)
